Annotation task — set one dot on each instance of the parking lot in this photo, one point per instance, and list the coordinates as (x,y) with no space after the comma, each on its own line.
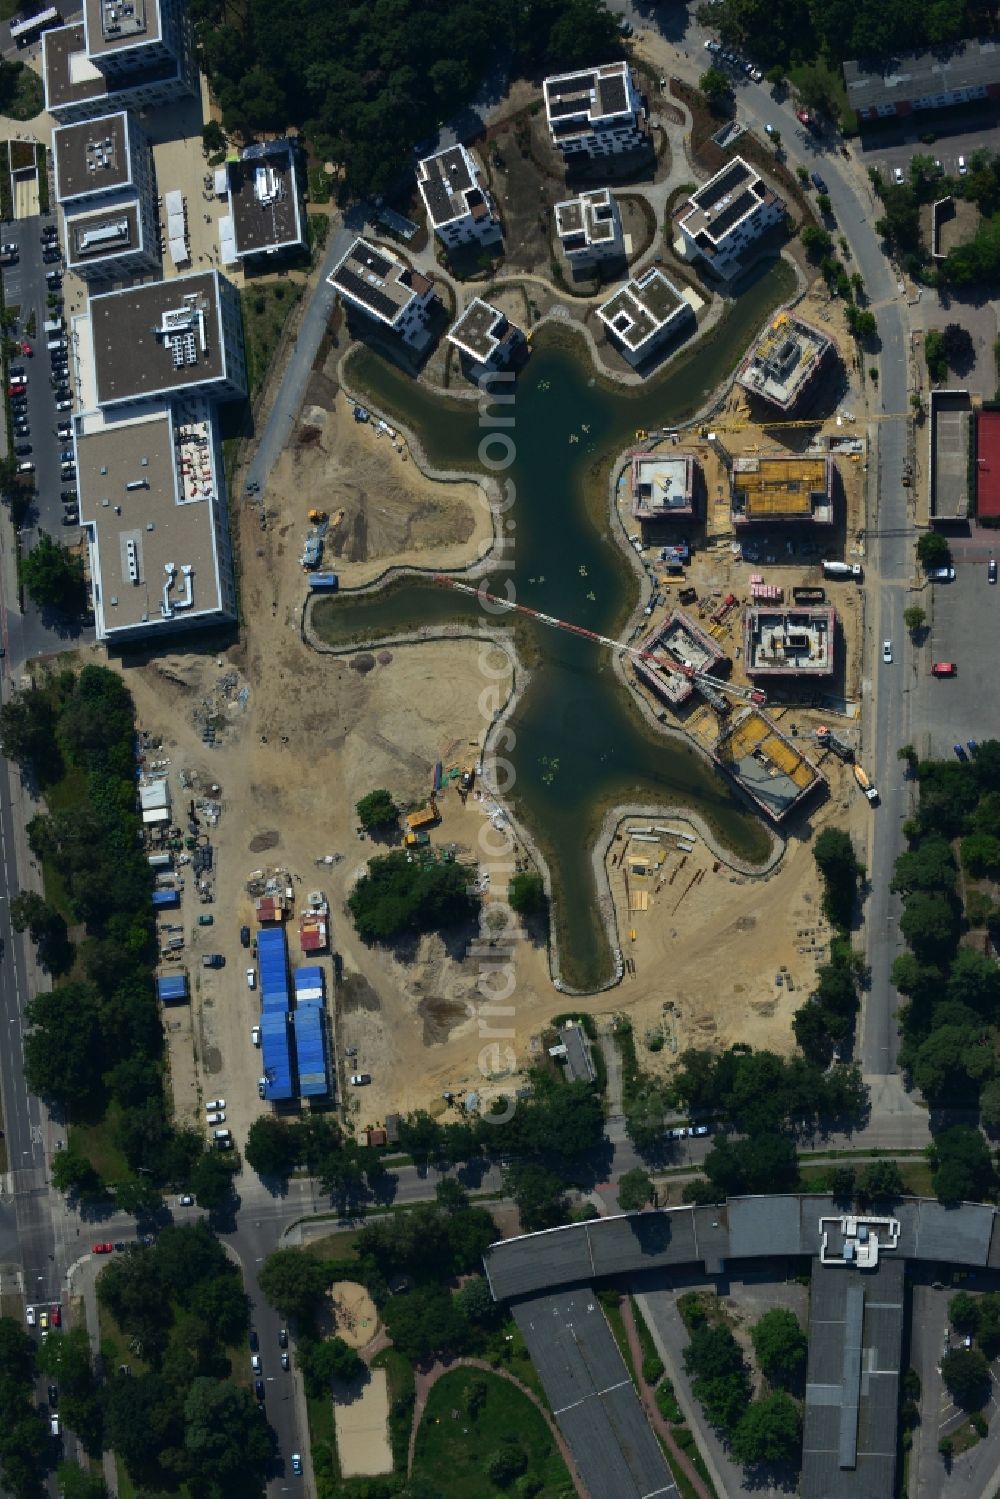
(890,147)
(39,382)
(965,617)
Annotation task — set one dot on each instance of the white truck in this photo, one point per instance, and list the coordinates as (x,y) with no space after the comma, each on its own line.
(843,570)
(865,784)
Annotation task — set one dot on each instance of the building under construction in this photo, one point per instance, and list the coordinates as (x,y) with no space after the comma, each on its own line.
(675,644)
(663,485)
(789,642)
(784,364)
(765,764)
(782,488)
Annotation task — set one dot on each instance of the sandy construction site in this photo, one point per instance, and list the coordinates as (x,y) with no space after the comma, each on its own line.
(302,736)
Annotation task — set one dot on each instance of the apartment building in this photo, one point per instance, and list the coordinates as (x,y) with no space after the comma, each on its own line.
(596,112)
(486,339)
(589,228)
(459,208)
(643,314)
(122,53)
(372,281)
(724,218)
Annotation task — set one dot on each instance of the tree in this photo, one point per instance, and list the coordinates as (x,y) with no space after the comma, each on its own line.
(224,1438)
(719,1375)
(211,1181)
(842,1183)
(959,349)
(716,86)
(989,1104)
(927,865)
(824,203)
(967,1377)
(73,1173)
(54,576)
(933,550)
(323,1360)
(981,854)
(46,927)
(213,137)
(963,1168)
(951,1061)
(139,1196)
(377,810)
(425,1321)
(28,734)
(506,1463)
(63,1049)
(635,1190)
(526,893)
(294,1282)
(769,1431)
(272,1147)
(914,618)
(815,90)
(929,923)
(816,241)
(759,1164)
(400,894)
(934,354)
(880,1179)
(838,865)
(539,1195)
(476,1304)
(780,1346)
(963,1310)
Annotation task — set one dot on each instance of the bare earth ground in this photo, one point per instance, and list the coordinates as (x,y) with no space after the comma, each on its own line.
(361,1413)
(317,732)
(355,1317)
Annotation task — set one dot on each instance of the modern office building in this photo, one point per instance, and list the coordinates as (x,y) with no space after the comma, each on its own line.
(596,112)
(265,215)
(589,228)
(727,216)
(123,53)
(485,338)
(385,290)
(152,364)
(643,314)
(459,208)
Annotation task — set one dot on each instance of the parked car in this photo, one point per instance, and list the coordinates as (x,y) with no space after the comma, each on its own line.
(258,1386)
(56,1316)
(215,1103)
(962,166)
(71,517)
(244,936)
(818,182)
(960,751)
(43,1317)
(942,575)
(360,1079)
(18,372)
(286,1362)
(991,571)
(218,1117)
(22,449)
(185,1200)
(944,669)
(887,651)
(69,496)
(897,176)
(255,1035)
(255,1363)
(251,978)
(103,1248)
(296,1463)
(64,404)
(54,1423)
(700,1129)
(10,249)
(53,1396)
(30,1316)
(254,1341)
(283,1338)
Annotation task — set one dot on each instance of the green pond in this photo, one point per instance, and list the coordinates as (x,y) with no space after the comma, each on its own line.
(581,743)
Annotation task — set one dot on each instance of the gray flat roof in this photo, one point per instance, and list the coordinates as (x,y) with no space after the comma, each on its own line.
(116,25)
(148,525)
(449,186)
(640,308)
(479,329)
(264,200)
(92,156)
(592,1396)
(921,75)
(950,435)
(70,76)
(578,1059)
(132,356)
(373,278)
(103,234)
(852,1381)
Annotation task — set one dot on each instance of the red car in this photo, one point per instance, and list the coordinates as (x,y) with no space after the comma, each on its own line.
(17,389)
(55,1317)
(27,349)
(944,669)
(103,1248)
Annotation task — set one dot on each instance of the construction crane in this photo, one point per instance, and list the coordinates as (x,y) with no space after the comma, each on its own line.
(711,688)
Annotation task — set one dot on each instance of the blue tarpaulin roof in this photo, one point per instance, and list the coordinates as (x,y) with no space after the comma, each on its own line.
(309,978)
(272,961)
(308,1022)
(170,986)
(162,898)
(275,1054)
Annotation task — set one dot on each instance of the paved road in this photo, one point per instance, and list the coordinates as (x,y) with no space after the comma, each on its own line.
(315,316)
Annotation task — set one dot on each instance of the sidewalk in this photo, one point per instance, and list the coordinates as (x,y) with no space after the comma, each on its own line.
(659,1425)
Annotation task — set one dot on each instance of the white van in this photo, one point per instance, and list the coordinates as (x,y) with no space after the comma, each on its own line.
(962,166)
(26,468)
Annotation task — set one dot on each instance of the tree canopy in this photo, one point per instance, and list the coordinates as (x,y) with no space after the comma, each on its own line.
(54,576)
(364,94)
(780,1346)
(377,810)
(400,895)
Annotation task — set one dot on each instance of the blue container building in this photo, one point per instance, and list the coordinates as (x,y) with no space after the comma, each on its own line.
(272,963)
(164,900)
(171,988)
(276,1055)
(310,1050)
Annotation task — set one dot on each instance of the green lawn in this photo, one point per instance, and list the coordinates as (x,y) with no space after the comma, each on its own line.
(833,77)
(454,1453)
(265,311)
(334,1246)
(402,1391)
(96,1142)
